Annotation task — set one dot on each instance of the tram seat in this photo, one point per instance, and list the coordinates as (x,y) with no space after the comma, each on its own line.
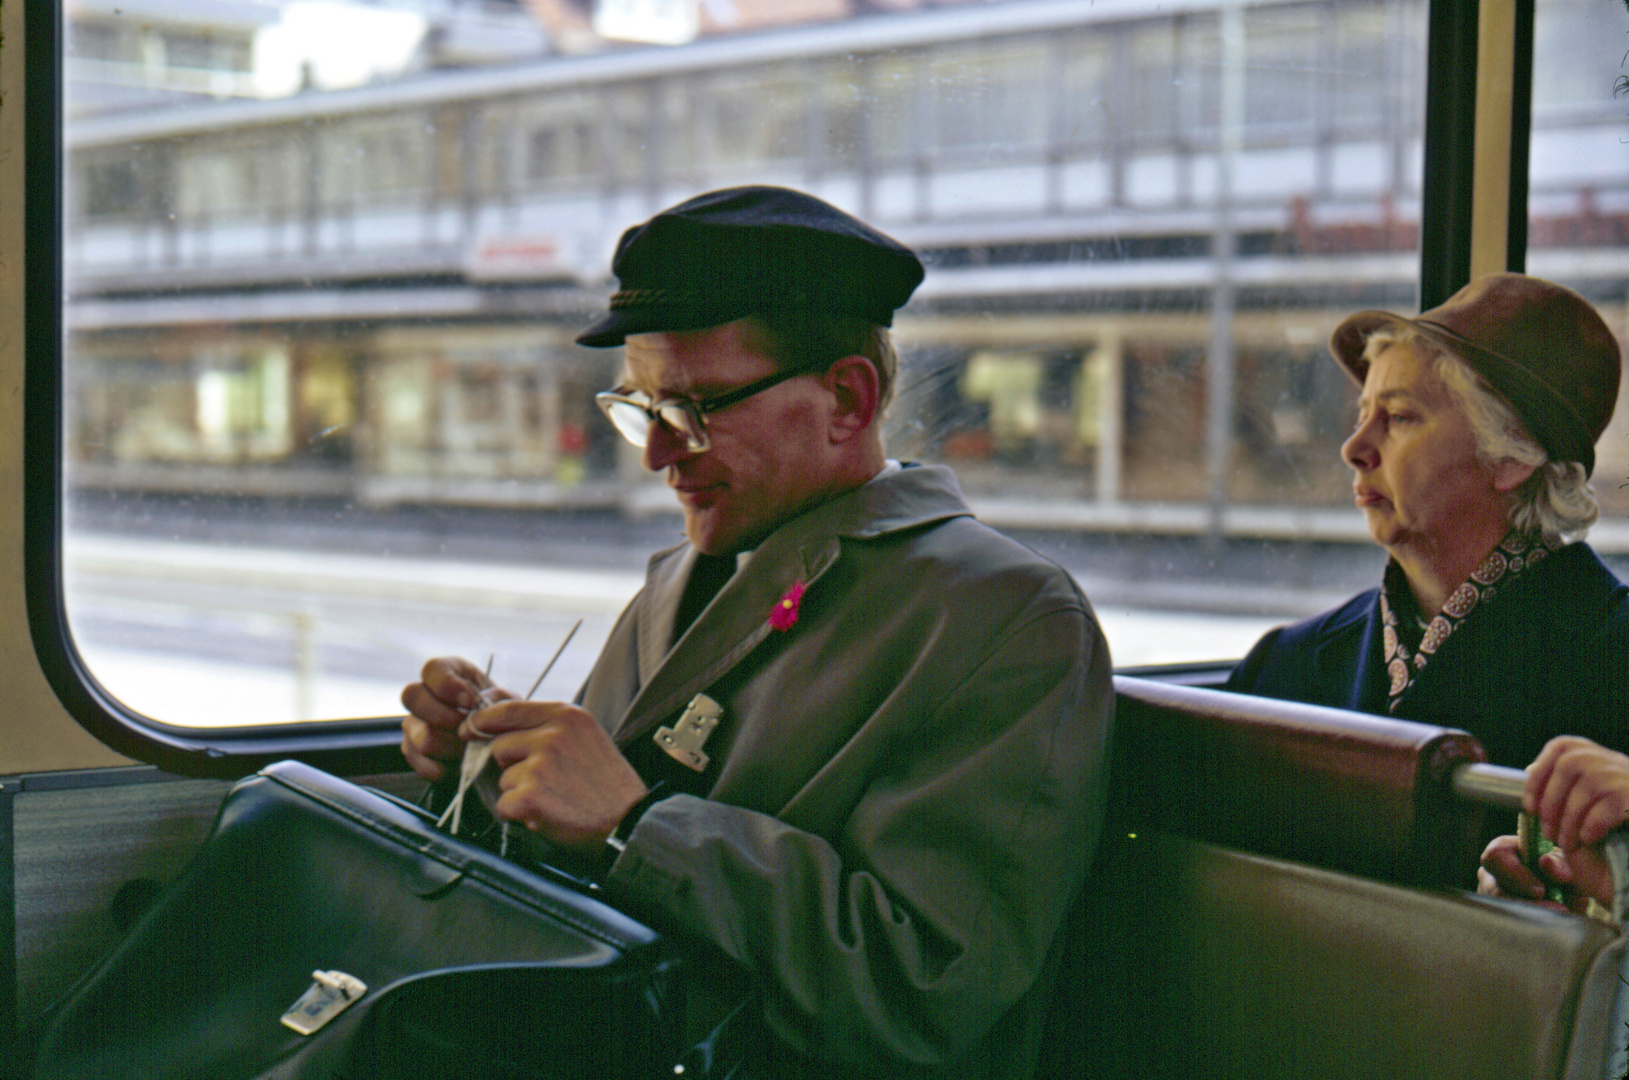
(1363,794)
(1189,959)
(1316,954)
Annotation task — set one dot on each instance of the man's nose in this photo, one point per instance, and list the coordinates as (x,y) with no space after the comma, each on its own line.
(664,446)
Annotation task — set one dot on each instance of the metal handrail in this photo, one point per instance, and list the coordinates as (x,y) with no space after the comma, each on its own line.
(1491,785)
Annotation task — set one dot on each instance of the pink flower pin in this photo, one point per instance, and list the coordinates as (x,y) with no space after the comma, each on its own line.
(784,615)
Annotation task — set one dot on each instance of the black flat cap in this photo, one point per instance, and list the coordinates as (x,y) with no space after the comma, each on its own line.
(742,251)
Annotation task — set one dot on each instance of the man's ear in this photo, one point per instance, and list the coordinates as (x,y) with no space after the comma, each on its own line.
(856,391)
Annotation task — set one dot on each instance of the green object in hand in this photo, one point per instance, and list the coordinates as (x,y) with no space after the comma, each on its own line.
(1534,844)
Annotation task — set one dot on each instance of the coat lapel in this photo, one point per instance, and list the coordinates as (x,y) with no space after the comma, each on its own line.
(1350,654)
(737,621)
(659,606)
(1501,637)
(731,627)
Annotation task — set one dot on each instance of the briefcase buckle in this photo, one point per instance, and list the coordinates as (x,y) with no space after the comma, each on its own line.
(330,993)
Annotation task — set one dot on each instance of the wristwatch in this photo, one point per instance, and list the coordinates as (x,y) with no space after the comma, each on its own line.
(617,842)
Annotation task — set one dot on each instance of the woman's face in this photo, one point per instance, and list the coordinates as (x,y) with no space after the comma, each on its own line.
(1415,473)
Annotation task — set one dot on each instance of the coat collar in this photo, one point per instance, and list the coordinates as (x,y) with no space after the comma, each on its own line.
(1349,650)
(737,621)
(1535,609)
(1350,647)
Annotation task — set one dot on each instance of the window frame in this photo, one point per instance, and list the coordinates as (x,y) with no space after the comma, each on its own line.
(1448,244)
(343,746)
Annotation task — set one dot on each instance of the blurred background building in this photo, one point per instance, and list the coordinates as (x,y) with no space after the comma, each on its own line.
(324,263)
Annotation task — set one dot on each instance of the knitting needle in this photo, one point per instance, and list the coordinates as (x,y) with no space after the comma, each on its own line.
(550,665)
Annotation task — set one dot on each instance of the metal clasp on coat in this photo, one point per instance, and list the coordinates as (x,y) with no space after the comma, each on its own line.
(683,741)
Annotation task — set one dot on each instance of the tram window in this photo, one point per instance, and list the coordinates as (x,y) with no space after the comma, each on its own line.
(838,103)
(372,157)
(1358,36)
(1084,91)
(1281,93)
(562,141)
(633,133)
(1578,203)
(1576,45)
(111,188)
(889,106)
(96,42)
(235,178)
(324,416)
(989,99)
(1156,78)
(757,118)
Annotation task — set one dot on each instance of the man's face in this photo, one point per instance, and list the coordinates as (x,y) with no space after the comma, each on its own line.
(771,457)
(1416,476)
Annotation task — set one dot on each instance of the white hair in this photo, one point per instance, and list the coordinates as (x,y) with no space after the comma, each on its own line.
(1556,501)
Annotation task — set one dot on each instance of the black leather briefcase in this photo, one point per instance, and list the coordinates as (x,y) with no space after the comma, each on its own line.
(320,905)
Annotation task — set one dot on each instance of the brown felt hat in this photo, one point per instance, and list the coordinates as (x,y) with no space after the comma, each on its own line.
(1539,345)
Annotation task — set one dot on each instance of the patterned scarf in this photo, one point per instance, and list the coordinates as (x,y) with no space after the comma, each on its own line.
(1408,644)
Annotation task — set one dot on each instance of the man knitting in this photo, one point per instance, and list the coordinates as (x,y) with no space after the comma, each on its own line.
(845,733)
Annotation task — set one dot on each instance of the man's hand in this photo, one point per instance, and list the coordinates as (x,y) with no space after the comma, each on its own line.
(1579,790)
(563,777)
(448,688)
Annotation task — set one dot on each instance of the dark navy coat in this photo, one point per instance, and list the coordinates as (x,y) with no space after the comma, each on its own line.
(1549,655)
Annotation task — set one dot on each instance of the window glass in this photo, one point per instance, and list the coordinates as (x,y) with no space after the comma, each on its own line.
(111,187)
(891,105)
(561,141)
(1154,93)
(326,418)
(758,118)
(1578,202)
(1280,93)
(1364,92)
(630,112)
(839,101)
(989,100)
(1084,90)
(370,159)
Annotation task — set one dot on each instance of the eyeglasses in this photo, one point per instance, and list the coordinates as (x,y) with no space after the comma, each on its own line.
(633,411)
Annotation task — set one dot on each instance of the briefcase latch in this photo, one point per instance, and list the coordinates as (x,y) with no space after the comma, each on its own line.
(330,993)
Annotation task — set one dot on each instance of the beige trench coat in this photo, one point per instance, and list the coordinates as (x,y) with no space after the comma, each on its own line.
(909,781)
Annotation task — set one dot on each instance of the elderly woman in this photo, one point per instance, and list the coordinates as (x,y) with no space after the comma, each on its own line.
(1471,458)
